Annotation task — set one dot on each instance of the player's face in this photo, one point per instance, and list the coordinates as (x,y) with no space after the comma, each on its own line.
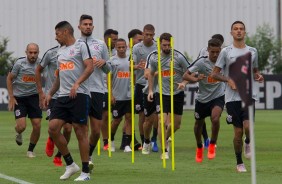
(137,39)
(32,53)
(114,40)
(213,53)
(148,36)
(86,27)
(165,46)
(60,36)
(121,48)
(238,32)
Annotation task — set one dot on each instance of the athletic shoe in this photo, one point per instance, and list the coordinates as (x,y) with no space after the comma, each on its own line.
(58,161)
(155,146)
(169,139)
(199,155)
(247,150)
(91,166)
(207,143)
(137,146)
(30,154)
(49,149)
(165,156)
(106,147)
(70,170)
(127,149)
(113,148)
(211,151)
(241,168)
(146,149)
(19,139)
(83,177)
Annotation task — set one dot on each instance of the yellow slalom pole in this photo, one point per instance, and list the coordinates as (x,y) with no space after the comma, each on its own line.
(132,99)
(172,102)
(109,102)
(161,100)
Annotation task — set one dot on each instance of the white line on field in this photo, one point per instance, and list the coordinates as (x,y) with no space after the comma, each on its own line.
(13,179)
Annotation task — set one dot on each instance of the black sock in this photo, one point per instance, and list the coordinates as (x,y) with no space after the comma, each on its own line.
(155,134)
(68,159)
(247,140)
(51,138)
(212,142)
(91,149)
(200,145)
(105,142)
(147,141)
(123,139)
(239,158)
(59,154)
(31,147)
(166,150)
(204,132)
(142,138)
(85,167)
(112,136)
(127,140)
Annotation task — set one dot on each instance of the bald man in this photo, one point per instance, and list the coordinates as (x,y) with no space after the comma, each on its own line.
(23,96)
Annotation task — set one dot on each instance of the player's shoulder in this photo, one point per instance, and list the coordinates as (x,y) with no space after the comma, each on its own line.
(153,55)
(200,60)
(21,60)
(251,49)
(51,51)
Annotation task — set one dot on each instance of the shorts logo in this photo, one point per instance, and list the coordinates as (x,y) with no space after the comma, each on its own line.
(158,108)
(48,112)
(229,119)
(104,104)
(28,78)
(138,107)
(145,111)
(197,116)
(66,65)
(115,113)
(17,112)
(123,74)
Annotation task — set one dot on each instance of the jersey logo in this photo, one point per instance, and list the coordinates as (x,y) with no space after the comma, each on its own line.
(166,73)
(211,80)
(72,52)
(67,66)
(123,75)
(28,78)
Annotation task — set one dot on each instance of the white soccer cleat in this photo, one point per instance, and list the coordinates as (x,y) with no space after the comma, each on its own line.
(30,154)
(146,149)
(113,148)
(165,156)
(241,168)
(70,170)
(19,139)
(247,150)
(83,177)
(127,149)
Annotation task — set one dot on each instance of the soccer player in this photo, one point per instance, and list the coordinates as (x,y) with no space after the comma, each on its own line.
(113,34)
(180,66)
(72,105)
(49,62)
(99,55)
(121,95)
(140,54)
(210,97)
(236,115)
(23,96)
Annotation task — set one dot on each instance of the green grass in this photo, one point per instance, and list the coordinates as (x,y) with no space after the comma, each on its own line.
(148,168)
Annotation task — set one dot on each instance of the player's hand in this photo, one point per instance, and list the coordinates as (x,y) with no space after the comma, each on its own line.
(99,63)
(181,86)
(12,103)
(259,78)
(141,64)
(231,83)
(47,100)
(201,77)
(73,90)
(150,97)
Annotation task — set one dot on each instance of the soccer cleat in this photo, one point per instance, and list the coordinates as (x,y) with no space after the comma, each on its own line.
(155,146)
(70,170)
(241,168)
(199,154)
(19,139)
(30,154)
(127,149)
(113,148)
(83,177)
(49,149)
(247,150)
(91,166)
(137,146)
(106,147)
(211,151)
(146,149)
(207,143)
(58,161)
(169,139)
(165,156)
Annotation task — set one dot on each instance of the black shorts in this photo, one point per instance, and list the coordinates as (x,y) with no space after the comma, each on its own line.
(49,109)
(96,105)
(120,108)
(72,110)
(105,102)
(203,110)
(178,103)
(138,98)
(149,107)
(236,114)
(28,106)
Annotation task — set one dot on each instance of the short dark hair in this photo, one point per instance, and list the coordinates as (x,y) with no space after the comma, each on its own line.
(84,16)
(165,36)
(149,27)
(238,22)
(134,32)
(65,25)
(108,32)
(121,40)
(214,42)
(219,37)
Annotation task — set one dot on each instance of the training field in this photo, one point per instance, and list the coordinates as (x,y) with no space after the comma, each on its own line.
(148,168)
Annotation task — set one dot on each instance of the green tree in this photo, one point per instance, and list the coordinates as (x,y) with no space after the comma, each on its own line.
(269,49)
(6,59)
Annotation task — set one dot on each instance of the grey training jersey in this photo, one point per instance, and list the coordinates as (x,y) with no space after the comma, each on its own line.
(71,66)
(155,81)
(203,52)
(140,51)
(227,56)
(180,67)
(120,78)
(98,50)
(24,81)
(209,88)
(50,63)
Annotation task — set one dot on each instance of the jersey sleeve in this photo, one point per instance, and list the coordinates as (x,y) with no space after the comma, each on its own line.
(255,64)
(105,52)
(45,59)
(221,60)
(16,68)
